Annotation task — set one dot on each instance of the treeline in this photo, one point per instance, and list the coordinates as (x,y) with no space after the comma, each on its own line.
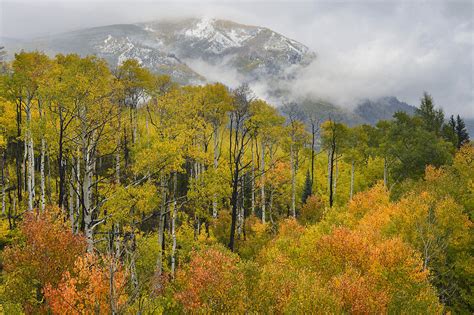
(118,187)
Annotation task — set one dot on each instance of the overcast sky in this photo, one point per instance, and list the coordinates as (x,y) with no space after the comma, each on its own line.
(365,48)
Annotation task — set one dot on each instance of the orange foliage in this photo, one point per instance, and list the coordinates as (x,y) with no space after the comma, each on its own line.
(369,201)
(49,249)
(87,289)
(312,211)
(359,293)
(212,282)
(372,276)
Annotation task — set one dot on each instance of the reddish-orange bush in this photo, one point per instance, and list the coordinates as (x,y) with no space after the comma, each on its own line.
(212,282)
(47,250)
(87,289)
(312,211)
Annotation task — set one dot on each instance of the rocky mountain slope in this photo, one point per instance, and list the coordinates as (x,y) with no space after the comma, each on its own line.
(371,111)
(170,47)
(251,53)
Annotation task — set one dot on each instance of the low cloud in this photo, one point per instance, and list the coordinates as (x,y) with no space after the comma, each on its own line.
(365,49)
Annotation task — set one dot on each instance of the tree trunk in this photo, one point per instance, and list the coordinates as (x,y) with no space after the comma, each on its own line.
(293,182)
(173,224)
(270,205)
(48,182)
(385,173)
(18,148)
(117,166)
(336,175)
(71,203)
(3,182)
(240,217)
(352,180)
(31,161)
(234,203)
(61,164)
(216,161)
(77,173)
(253,180)
(262,178)
(42,175)
(330,175)
(87,198)
(161,229)
(313,136)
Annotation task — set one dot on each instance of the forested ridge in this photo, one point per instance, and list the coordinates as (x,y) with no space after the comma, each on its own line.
(123,192)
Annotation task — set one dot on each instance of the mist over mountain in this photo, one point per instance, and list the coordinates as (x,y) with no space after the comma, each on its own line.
(200,50)
(172,47)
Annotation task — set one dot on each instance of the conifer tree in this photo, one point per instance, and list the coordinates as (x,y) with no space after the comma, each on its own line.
(461,132)
(432,118)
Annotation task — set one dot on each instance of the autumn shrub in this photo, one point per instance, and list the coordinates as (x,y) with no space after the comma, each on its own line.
(257,235)
(220,227)
(46,249)
(441,231)
(212,282)
(312,211)
(87,288)
(346,271)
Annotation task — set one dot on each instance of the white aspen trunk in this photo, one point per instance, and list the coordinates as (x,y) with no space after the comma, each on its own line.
(71,204)
(43,181)
(216,164)
(134,125)
(87,195)
(293,182)
(173,225)
(352,180)
(23,166)
(77,173)
(161,229)
(262,188)
(242,208)
(48,187)
(385,173)
(270,202)
(133,266)
(30,185)
(253,179)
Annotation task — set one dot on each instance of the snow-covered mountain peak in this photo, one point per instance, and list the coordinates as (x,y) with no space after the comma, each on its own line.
(254,53)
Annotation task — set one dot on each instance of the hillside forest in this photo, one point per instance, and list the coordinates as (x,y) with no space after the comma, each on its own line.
(123,192)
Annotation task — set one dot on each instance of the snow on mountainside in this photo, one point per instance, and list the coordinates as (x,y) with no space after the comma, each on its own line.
(255,53)
(179,48)
(116,43)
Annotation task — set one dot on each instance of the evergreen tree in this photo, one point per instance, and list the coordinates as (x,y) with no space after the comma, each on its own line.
(308,187)
(461,132)
(449,131)
(432,118)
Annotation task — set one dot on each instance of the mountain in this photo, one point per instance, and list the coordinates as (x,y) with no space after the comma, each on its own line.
(170,47)
(189,50)
(116,43)
(255,52)
(366,112)
(470,127)
(371,111)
